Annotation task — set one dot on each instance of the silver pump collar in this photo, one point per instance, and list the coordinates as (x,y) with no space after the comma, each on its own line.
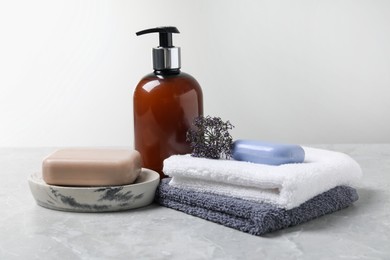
(166,58)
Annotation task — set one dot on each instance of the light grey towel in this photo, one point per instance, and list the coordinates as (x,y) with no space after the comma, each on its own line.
(252,217)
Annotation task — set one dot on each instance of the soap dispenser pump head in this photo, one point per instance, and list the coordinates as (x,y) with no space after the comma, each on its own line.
(165,56)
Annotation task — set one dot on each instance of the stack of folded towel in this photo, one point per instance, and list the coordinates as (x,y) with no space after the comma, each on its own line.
(257,198)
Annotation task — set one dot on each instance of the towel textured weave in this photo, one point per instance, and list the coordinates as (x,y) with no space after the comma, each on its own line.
(287,185)
(248,216)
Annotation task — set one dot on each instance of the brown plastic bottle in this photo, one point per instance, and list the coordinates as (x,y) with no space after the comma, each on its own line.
(165,104)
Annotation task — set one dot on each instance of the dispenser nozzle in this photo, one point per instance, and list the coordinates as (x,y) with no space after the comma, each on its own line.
(165,34)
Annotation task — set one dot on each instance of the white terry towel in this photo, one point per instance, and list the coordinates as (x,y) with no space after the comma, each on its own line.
(286,186)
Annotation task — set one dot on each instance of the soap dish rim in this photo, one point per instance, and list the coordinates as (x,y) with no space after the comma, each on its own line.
(37,178)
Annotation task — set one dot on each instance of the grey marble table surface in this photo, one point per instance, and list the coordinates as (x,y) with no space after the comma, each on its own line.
(28,231)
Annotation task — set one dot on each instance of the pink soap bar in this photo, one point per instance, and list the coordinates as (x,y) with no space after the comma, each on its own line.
(91,167)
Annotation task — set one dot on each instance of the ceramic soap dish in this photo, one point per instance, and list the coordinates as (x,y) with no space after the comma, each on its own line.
(96,199)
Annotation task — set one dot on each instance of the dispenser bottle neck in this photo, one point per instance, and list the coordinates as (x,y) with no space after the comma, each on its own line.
(167,72)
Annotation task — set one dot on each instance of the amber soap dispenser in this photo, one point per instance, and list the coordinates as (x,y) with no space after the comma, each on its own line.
(166,102)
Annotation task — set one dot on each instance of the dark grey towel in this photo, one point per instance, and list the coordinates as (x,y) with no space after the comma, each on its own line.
(252,217)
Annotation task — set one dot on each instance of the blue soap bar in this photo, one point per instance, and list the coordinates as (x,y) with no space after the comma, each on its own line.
(267,153)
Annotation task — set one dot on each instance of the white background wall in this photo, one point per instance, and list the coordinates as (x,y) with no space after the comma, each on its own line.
(287,71)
